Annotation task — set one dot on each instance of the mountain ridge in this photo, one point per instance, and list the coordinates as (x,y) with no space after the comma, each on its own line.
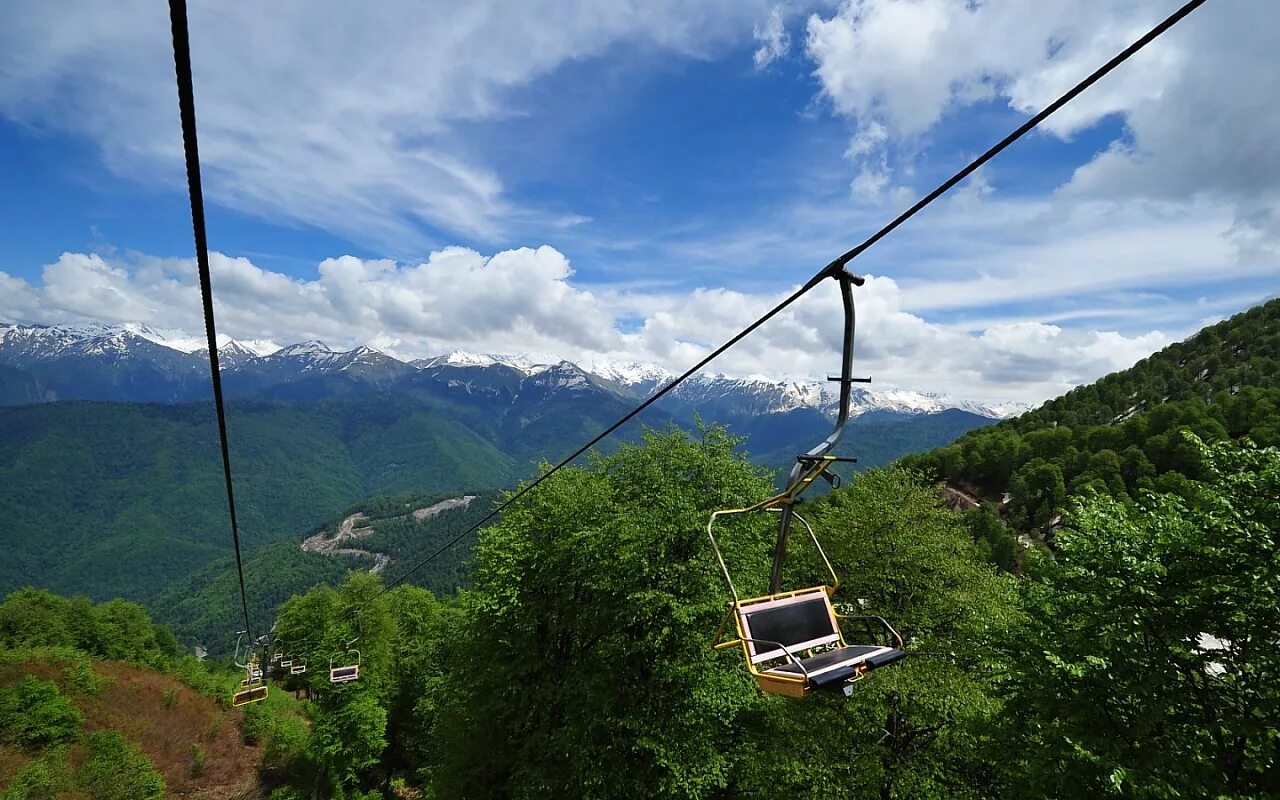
(167,365)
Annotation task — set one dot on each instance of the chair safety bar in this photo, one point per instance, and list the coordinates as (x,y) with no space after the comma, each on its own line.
(893,633)
(790,656)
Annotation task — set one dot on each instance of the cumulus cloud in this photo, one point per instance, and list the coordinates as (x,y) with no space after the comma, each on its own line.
(324,113)
(1196,122)
(526,300)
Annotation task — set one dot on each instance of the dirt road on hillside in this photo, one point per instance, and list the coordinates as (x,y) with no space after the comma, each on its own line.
(336,544)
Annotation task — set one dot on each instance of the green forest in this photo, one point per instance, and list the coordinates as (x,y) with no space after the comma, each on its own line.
(132,494)
(1123,434)
(1137,662)
(204,606)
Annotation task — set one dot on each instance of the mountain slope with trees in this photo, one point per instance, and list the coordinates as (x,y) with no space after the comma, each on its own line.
(113,499)
(123,499)
(1136,663)
(203,606)
(99,702)
(1122,434)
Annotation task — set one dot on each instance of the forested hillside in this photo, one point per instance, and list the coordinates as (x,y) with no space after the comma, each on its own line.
(202,607)
(579,662)
(121,499)
(1121,434)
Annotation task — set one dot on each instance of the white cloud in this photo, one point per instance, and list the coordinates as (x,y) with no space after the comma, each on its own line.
(322,112)
(1197,123)
(774,40)
(526,300)
(905,63)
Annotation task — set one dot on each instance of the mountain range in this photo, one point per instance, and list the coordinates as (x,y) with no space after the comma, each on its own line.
(139,363)
(110,474)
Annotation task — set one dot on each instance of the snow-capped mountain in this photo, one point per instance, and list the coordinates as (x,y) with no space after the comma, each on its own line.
(139,362)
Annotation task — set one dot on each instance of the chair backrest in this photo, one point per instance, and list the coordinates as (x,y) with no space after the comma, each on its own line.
(297,669)
(799,621)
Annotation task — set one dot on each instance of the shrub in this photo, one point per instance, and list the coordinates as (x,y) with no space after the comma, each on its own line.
(197,760)
(257,723)
(35,714)
(81,676)
(117,770)
(43,778)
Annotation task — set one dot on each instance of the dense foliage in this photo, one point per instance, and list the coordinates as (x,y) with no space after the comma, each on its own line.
(579,664)
(1148,665)
(33,713)
(1122,435)
(117,629)
(1138,662)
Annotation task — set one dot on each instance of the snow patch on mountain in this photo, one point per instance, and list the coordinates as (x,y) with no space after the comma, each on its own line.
(522,362)
(309,348)
(753,394)
(629,373)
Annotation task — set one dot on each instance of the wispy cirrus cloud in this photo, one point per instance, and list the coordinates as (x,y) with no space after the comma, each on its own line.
(323,113)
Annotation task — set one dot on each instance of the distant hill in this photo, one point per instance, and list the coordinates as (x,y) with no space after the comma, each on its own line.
(203,606)
(1121,434)
(113,499)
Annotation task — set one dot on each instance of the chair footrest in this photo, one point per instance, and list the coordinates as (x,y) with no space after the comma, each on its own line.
(833,669)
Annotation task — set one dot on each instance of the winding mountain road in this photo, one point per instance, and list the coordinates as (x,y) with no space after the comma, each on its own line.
(334,544)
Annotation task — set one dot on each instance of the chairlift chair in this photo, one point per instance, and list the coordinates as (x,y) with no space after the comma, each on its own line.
(345,673)
(252,688)
(253,694)
(792,641)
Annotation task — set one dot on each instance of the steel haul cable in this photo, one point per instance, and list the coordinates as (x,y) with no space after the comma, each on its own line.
(187,110)
(827,271)
(182,59)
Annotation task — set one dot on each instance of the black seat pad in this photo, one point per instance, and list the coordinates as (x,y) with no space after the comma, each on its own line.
(849,658)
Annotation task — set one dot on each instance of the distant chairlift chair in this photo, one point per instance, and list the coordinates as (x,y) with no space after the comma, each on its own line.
(252,687)
(342,667)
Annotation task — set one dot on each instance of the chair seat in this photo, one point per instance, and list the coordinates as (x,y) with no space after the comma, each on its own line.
(834,667)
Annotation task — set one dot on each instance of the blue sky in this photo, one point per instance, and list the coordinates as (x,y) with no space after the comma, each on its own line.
(600,180)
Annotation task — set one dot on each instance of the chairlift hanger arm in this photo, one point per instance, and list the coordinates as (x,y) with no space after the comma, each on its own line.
(815,462)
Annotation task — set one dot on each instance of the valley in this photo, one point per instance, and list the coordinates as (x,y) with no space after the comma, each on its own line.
(113,477)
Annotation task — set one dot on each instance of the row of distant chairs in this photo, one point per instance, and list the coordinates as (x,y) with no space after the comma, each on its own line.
(253,687)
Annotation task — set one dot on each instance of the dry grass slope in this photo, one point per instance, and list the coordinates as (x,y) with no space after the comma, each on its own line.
(163,717)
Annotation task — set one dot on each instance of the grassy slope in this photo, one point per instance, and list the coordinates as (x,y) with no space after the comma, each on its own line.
(133,703)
